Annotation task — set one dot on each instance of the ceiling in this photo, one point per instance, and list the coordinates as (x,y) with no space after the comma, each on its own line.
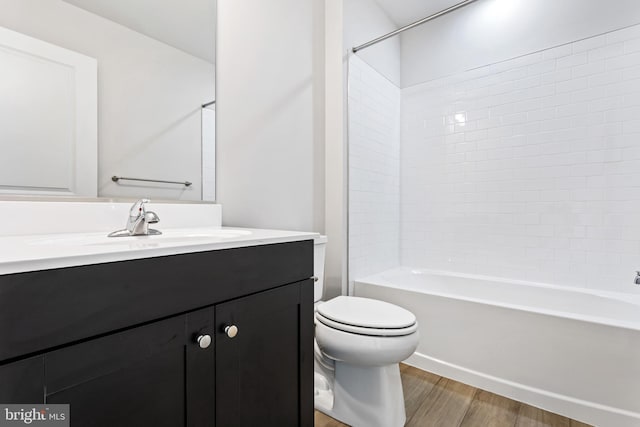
(186,25)
(407,11)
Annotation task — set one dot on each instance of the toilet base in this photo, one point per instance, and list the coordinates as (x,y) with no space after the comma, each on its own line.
(363,396)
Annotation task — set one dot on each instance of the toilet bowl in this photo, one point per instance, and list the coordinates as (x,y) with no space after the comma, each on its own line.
(359,344)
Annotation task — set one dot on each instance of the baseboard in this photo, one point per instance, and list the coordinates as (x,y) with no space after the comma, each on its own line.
(577,409)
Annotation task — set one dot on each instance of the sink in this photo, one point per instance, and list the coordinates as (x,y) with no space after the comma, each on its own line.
(172,236)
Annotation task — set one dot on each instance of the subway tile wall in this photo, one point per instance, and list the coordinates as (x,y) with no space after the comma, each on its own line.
(374,171)
(526,169)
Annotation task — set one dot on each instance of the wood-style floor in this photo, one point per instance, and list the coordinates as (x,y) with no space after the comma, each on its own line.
(433,401)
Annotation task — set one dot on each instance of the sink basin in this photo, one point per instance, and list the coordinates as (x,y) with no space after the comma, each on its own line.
(175,236)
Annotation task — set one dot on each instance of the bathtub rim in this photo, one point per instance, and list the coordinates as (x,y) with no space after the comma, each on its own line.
(378,280)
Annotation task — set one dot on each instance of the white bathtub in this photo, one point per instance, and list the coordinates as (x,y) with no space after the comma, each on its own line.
(573,352)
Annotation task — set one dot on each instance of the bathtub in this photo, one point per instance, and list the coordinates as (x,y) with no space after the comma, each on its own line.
(573,352)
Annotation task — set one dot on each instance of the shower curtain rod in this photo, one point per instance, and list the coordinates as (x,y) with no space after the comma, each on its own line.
(415,24)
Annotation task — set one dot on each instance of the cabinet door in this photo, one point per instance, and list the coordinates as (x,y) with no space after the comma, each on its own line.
(145,376)
(264,375)
(23,381)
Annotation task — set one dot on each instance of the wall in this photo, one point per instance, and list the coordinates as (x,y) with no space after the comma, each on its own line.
(267,174)
(374,171)
(283,155)
(495,30)
(149,96)
(529,168)
(336,261)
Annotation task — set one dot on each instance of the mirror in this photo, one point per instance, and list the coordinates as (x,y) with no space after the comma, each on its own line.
(93,92)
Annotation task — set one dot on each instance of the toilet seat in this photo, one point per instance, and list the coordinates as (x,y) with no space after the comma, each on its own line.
(364,350)
(364,316)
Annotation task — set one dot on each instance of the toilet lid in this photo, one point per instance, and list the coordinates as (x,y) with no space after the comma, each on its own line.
(366,313)
(360,330)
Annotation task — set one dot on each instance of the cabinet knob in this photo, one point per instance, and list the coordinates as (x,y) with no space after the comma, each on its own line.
(204,341)
(231,331)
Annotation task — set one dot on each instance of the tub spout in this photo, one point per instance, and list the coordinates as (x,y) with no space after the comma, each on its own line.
(637,277)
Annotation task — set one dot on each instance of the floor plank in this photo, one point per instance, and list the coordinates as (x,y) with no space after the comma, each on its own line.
(488,409)
(416,385)
(449,400)
(535,417)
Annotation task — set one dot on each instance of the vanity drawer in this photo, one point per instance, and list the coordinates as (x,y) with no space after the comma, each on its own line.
(50,308)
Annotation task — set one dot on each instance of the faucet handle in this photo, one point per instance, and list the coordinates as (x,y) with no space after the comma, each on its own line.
(137,208)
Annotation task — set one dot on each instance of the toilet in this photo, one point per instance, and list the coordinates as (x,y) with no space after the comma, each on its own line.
(359,343)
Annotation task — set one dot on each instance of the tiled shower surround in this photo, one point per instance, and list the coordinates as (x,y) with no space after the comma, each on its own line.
(527,169)
(374,171)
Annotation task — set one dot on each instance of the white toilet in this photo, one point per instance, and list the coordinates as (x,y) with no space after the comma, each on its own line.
(359,344)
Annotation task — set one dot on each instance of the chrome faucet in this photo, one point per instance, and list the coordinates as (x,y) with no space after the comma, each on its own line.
(637,277)
(138,222)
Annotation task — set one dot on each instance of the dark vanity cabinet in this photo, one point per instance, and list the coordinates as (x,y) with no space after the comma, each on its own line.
(221,338)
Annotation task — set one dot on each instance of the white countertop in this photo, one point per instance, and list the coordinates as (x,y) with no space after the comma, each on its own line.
(24,253)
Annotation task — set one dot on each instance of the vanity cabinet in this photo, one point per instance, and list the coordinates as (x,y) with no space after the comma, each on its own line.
(221,338)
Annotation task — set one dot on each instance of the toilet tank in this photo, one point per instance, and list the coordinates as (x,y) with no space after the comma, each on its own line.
(319,248)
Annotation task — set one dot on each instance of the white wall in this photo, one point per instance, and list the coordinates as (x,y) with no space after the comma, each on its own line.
(529,169)
(274,167)
(267,174)
(335,152)
(489,31)
(364,20)
(374,171)
(149,96)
